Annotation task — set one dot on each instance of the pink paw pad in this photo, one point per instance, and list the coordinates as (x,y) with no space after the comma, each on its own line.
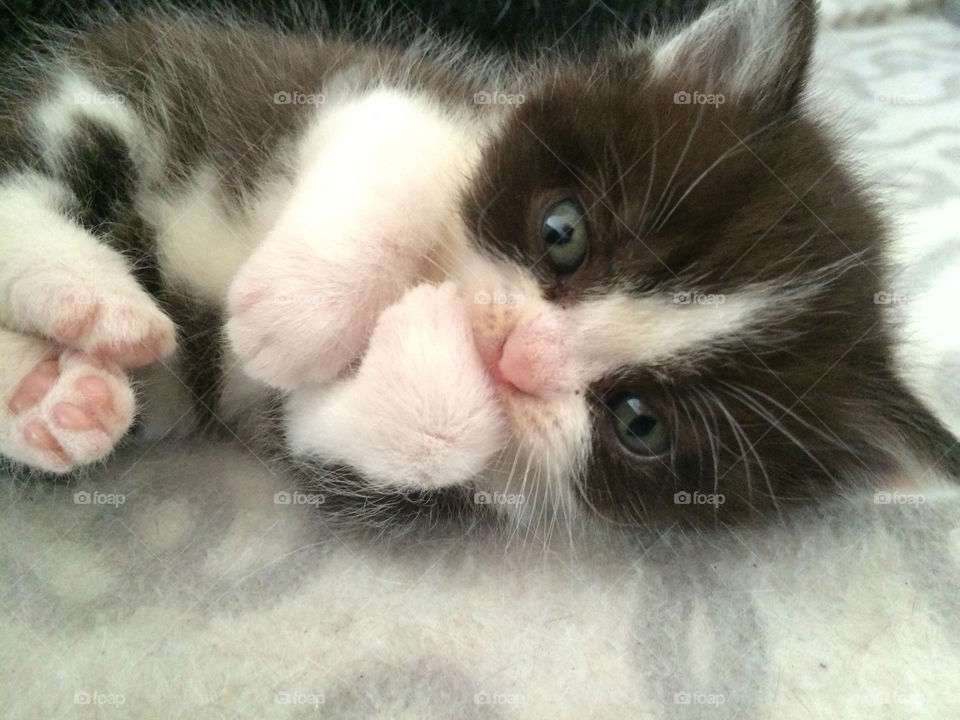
(71,411)
(35,386)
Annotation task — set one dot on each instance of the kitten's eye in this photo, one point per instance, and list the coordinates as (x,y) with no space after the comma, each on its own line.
(564,231)
(638,428)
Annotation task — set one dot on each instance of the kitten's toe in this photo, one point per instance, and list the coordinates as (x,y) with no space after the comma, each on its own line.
(67,411)
(126,328)
(112,319)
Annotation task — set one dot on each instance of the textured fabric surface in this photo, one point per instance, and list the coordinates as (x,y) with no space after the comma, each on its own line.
(187,581)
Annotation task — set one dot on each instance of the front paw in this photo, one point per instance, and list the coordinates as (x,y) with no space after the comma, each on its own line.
(421,411)
(69,410)
(296,317)
(108,316)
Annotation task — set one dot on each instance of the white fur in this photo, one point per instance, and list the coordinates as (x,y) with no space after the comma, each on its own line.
(76,98)
(59,281)
(619,330)
(376,194)
(420,412)
(202,239)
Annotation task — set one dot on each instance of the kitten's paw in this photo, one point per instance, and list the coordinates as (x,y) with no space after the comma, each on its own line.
(421,412)
(112,319)
(70,409)
(297,319)
(124,327)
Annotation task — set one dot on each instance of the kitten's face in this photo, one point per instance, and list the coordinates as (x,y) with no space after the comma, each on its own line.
(679,297)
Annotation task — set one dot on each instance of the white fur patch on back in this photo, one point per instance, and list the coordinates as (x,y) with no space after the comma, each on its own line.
(200,243)
(75,99)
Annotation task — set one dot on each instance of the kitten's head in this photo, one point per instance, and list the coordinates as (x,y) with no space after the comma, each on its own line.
(679,285)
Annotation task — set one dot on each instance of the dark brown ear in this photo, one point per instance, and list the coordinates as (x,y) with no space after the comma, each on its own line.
(755,50)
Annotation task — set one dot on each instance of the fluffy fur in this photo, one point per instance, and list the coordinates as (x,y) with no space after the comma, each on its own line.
(366,225)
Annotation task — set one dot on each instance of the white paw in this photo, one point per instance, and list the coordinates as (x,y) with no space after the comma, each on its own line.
(111,318)
(69,410)
(296,317)
(421,411)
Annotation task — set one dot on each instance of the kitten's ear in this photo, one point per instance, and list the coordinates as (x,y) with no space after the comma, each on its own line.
(753,49)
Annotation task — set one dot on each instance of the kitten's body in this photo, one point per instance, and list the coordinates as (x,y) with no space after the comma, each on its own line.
(373,234)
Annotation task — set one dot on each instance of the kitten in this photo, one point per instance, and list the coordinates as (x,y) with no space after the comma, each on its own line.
(635,285)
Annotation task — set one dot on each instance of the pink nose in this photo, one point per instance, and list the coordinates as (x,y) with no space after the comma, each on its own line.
(533,359)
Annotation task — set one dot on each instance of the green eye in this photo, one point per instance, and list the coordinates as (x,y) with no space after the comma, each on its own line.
(564,232)
(638,428)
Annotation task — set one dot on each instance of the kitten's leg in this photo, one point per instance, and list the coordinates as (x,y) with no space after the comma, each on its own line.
(59,281)
(59,408)
(376,197)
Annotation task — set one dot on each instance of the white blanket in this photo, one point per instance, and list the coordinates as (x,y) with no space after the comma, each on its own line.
(189,582)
